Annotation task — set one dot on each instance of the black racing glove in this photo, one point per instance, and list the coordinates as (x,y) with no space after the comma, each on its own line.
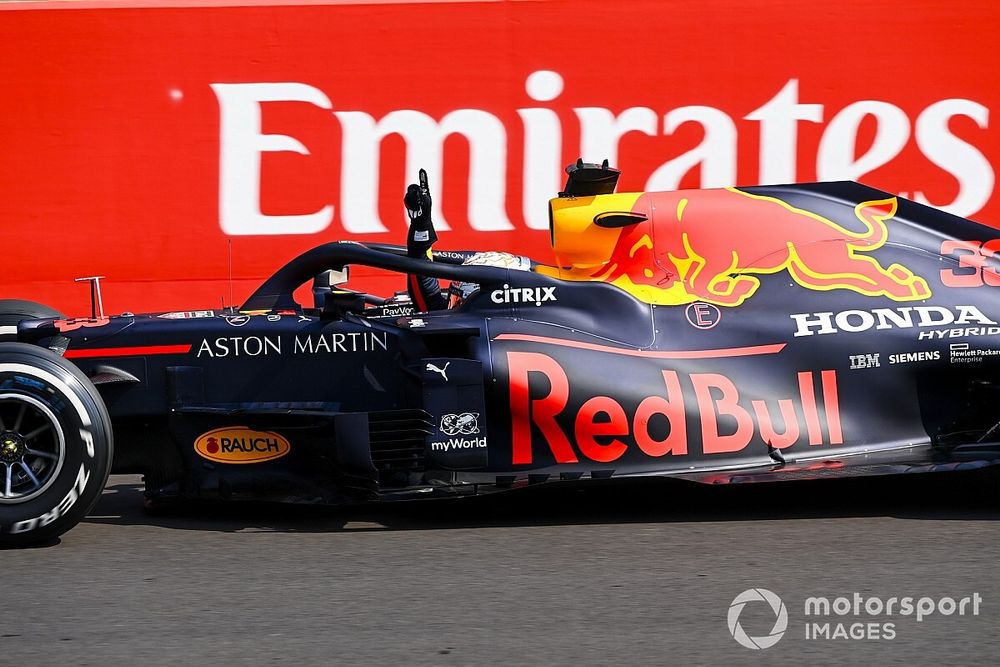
(425,292)
(421,235)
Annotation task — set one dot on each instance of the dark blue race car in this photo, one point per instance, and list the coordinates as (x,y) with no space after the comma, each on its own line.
(722,336)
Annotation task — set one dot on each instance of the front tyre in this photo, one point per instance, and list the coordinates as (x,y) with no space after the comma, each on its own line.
(13,311)
(55,444)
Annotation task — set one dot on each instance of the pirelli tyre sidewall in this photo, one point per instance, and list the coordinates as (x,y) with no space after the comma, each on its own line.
(77,444)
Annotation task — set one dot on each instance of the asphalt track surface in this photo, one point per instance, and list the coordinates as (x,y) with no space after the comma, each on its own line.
(611,575)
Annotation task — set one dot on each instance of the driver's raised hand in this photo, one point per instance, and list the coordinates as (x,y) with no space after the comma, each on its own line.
(418,203)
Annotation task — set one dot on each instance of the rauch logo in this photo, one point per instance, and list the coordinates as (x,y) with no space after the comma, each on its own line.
(240,444)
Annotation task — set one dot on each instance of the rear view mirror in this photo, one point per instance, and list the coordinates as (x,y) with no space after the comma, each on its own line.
(324,283)
(333,277)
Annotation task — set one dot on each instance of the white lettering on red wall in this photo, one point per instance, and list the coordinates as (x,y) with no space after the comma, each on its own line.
(839,155)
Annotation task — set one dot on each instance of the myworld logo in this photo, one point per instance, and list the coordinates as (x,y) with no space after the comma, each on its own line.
(776,122)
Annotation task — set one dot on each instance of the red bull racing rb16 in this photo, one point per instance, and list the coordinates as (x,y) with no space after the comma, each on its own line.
(720,336)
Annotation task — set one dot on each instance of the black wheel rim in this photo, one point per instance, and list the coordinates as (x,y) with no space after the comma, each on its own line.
(32,448)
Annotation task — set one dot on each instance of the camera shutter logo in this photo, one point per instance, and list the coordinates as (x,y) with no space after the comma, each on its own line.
(780,622)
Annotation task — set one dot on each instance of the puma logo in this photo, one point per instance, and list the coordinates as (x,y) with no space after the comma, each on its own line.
(442,371)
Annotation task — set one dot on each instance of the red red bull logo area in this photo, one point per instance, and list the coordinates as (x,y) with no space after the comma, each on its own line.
(712,409)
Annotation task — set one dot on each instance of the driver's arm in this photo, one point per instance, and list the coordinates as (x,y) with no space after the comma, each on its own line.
(425,292)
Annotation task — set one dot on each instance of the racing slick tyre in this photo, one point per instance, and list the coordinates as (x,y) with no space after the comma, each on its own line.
(55,444)
(13,311)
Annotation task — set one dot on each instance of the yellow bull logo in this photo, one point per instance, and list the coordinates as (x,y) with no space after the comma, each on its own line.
(710,245)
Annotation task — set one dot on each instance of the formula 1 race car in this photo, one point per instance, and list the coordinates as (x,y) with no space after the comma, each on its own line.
(722,336)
